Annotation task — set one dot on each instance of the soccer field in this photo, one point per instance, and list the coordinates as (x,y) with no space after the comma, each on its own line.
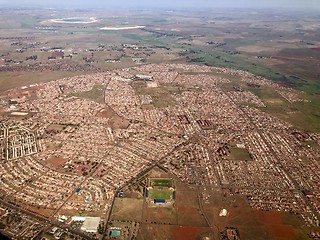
(161,183)
(160,194)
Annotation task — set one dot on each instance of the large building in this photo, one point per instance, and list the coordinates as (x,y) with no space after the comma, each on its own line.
(143,77)
(91,224)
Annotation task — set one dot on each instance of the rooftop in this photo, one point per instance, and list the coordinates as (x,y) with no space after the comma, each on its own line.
(91,224)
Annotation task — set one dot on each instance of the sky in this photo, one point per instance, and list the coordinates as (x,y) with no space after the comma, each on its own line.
(286,4)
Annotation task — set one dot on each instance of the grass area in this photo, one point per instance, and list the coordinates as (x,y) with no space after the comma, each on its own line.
(95,94)
(161,96)
(239,154)
(302,115)
(217,57)
(144,37)
(9,80)
(160,194)
(311,87)
(136,37)
(127,209)
(161,183)
(302,79)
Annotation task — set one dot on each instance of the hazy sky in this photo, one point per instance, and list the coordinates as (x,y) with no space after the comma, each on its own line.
(297,4)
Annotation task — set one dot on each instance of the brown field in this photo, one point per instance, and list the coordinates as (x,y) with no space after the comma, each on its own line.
(155,231)
(273,223)
(9,80)
(188,233)
(53,145)
(188,210)
(56,127)
(82,168)
(159,215)
(116,121)
(163,222)
(56,162)
(252,224)
(239,154)
(127,209)
(41,211)
(161,95)
(166,232)
(185,213)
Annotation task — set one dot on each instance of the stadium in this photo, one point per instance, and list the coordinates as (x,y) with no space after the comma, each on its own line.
(160,191)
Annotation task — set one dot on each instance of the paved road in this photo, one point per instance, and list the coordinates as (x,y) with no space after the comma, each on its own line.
(45,220)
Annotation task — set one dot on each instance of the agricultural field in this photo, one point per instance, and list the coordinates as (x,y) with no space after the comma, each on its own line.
(285,51)
(278,50)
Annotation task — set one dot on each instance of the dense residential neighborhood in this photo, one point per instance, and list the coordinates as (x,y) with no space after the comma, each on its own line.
(64,151)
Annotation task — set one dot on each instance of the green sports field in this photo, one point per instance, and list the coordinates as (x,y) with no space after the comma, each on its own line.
(161,183)
(160,194)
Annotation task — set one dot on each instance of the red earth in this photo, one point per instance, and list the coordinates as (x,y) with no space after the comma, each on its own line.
(273,223)
(56,162)
(187,232)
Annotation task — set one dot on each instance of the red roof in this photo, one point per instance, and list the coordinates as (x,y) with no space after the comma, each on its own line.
(57,54)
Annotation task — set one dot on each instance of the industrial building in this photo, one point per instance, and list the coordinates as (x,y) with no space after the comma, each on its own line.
(91,224)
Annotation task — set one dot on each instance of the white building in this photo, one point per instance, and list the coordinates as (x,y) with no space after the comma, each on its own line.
(91,224)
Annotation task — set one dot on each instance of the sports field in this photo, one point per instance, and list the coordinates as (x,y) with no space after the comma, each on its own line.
(160,194)
(161,183)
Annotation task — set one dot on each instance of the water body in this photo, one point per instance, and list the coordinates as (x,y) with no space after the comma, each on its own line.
(83,20)
(121,28)
(73,20)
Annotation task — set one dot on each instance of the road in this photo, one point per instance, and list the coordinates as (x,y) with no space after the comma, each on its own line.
(47,221)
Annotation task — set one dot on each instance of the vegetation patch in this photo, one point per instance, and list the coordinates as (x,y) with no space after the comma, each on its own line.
(161,183)
(160,194)
(96,94)
(161,96)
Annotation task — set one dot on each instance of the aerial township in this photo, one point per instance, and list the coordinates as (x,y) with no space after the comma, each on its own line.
(68,153)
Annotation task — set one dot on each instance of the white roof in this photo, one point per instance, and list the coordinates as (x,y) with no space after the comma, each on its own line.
(223,213)
(78,218)
(91,224)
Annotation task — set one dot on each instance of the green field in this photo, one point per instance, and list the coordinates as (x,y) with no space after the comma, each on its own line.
(161,96)
(161,183)
(96,94)
(160,194)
